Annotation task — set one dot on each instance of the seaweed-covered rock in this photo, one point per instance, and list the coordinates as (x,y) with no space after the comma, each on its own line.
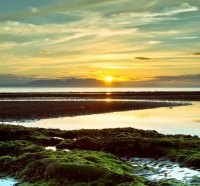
(23,151)
(78,172)
(86,143)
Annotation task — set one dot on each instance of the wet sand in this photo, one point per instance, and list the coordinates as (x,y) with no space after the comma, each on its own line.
(14,108)
(182,96)
(30,110)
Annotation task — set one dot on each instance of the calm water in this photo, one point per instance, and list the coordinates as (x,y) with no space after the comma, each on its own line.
(176,120)
(36,89)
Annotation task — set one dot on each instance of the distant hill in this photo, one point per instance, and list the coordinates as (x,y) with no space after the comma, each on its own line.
(73,82)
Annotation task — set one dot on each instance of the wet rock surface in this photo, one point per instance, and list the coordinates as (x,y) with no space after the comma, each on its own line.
(25,154)
(164,170)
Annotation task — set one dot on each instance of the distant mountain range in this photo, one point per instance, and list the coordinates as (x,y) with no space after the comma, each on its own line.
(183,81)
(73,82)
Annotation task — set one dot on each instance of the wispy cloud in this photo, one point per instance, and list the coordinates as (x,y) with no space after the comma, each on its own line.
(182,8)
(187,37)
(65,6)
(186,80)
(197,54)
(45,52)
(34,9)
(154,42)
(142,58)
(143,39)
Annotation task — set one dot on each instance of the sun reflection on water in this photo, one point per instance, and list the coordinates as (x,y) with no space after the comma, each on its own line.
(108,100)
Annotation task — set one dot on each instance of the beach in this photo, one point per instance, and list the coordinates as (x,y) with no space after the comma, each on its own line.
(22,106)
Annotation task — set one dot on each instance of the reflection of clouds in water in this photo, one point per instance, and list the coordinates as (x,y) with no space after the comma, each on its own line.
(196,120)
(179,120)
(151,112)
(141,115)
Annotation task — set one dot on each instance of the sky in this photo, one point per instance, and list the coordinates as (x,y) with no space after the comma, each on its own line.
(139,43)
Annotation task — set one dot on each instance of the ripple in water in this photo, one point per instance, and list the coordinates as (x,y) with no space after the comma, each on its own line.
(164,170)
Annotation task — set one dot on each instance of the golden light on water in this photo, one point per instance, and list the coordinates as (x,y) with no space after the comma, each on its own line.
(108,100)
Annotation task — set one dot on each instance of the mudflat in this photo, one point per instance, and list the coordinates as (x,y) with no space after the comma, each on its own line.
(22,106)
(178,95)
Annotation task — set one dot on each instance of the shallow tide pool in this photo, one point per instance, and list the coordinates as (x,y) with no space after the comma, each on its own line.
(7,182)
(176,120)
(164,170)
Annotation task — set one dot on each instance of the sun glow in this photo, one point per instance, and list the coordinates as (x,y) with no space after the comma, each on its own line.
(108,79)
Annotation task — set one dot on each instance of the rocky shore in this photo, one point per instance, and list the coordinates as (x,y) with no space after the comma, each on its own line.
(93,157)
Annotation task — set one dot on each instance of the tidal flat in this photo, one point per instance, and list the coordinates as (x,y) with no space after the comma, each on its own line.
(30,106)
(93,157)
(149,95)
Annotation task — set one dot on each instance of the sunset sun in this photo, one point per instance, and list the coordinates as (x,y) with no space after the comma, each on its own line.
(108,79)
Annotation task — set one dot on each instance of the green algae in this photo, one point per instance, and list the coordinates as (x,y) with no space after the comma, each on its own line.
(95,156)
(42,166)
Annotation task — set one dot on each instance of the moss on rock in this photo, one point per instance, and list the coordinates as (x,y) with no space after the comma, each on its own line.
(94,158)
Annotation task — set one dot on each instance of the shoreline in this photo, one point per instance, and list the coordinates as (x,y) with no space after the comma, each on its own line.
(157,95)
(78,104)
(26,110)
